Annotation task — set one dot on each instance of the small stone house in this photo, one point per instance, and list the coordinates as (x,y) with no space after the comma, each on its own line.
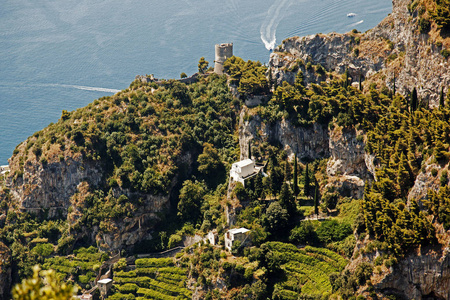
(237,234)
(104,285)
(244,169)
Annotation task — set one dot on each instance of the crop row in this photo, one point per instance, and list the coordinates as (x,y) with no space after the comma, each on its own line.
(152,294)
(154,262)
(163,286)
(342,262)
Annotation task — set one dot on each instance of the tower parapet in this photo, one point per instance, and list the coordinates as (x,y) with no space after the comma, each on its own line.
(223,51)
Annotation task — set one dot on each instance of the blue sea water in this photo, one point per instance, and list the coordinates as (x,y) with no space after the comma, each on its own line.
(63,54)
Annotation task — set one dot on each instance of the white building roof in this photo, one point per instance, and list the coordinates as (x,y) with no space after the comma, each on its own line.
(238,230)
(104,281)
(244,162)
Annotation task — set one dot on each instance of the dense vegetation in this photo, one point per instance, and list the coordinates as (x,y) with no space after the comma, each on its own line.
(153,278)
(178,141)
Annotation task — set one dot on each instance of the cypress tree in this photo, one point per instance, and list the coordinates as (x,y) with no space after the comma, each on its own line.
(441,98)
(360,82)
(346,78)
(295,176)
(307,186)
(414,100)
(250,149)
(287,200)
(287,171)
(394,86)
(316,198)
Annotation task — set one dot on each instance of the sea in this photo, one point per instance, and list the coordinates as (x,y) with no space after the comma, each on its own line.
(63,54)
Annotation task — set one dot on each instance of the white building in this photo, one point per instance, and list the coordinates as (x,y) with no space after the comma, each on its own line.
(4,169)
(244,169)
(212,237)
(237,234)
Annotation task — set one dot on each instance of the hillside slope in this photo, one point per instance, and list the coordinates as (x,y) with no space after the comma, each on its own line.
(399,48)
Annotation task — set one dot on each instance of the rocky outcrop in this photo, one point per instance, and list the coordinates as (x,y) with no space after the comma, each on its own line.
(347,153)
(60,186)
(418,276)
(308,143)
(393,48)
(5,272)
(347,168)
(427,180)
(50,186)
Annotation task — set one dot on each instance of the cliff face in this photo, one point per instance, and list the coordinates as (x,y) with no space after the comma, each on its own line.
(418,276)
(308,142)
(348,165)
(393,48)
(347,168)
(50,186)
(60,188)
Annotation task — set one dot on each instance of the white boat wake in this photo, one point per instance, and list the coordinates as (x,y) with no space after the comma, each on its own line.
(356,23)
(86,88)
(268,28)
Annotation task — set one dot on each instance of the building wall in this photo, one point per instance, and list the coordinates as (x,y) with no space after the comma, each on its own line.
(222,51)
(247,170)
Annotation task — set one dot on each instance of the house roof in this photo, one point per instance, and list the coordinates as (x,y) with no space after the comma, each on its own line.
(239,230)
(244,162)
(104,281)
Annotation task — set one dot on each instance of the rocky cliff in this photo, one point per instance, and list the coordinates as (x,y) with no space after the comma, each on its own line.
(421,275)
(348,167)
(308,143)
(394,48)
(49,186)
(61,187)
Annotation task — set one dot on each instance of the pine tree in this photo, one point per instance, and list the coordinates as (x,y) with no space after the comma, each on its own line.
(299,81)
(287,201)
(403,179)
(295,176)
(287,171)
(307,186)
(439,151)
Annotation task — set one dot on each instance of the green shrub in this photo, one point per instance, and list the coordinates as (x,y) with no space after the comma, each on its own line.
(43,249)
(128,288)
(434,172)
(445,53)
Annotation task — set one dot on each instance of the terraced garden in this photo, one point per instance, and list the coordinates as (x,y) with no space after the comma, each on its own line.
(307,270)
(153,278)
(82,267)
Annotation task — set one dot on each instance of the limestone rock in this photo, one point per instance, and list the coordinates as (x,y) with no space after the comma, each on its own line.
(419,276)
(392,47)
(308,142)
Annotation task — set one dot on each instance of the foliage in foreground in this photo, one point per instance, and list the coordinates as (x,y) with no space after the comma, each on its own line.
(43,285)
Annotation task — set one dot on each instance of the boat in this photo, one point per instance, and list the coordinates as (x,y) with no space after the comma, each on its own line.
(351,15)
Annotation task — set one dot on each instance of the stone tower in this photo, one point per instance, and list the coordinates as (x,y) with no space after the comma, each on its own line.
(223,51)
